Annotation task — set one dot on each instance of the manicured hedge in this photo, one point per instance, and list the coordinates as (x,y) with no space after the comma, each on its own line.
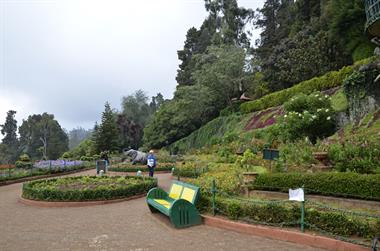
(87,188)
(327,81)
(135,169)
(24,173)
(279,214)
(350,185)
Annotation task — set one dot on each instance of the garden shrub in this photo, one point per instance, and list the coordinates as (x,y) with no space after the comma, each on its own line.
(24,162)
(339,101)
(86,188)
(165,157)
(329,80)
(298,155)
(350,185)
(228,182)
(308,116)
(189,170)
(361,155)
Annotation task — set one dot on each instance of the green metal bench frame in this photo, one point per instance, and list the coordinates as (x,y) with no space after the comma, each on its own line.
(181,212)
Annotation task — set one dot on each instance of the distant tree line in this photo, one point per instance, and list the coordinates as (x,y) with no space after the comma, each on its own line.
(119,130)
(41,137)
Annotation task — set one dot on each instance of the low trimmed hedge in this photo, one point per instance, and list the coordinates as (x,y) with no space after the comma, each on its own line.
(279,214)
(32,172)
(329,80)
(349,185)
(135,169)
(87,188)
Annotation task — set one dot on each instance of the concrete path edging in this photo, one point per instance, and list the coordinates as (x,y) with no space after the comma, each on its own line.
(50,204)
(283,235)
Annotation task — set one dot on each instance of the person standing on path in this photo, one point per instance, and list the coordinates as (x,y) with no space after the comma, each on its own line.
(152,162)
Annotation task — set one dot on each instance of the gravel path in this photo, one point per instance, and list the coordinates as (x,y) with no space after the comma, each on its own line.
(121,226)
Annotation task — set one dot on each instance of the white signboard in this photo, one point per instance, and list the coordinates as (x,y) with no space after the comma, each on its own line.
(296,195)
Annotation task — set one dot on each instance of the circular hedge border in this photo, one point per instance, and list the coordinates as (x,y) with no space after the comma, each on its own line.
(117,188)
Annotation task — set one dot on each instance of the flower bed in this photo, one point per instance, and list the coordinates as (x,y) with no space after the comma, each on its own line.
(86,188)
(57,164)
(20,173)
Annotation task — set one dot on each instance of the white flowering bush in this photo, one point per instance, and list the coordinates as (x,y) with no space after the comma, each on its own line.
(308,116)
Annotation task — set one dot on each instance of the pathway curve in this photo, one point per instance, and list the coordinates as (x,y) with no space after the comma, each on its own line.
(127,225)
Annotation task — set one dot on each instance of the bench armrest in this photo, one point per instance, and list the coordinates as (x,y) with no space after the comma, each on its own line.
(183,213)
(156,193)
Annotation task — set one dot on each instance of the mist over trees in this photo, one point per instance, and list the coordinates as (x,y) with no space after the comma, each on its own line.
(77,135)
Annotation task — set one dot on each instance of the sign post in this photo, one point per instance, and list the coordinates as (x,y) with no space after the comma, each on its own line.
(271,155)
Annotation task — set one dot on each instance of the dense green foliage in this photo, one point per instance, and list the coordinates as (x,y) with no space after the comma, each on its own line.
(213,71)
(85,149)
(327,81)
(304,39)
(350,185)
(218,130)
(106,134)
(191,107)
(136,112)
(225,25)
(86,188)
(41,136)
(356,154)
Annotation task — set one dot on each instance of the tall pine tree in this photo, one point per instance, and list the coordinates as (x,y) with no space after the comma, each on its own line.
(107,133)
(10,141)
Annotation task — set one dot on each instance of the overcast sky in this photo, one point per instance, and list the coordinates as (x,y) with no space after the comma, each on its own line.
(68,57)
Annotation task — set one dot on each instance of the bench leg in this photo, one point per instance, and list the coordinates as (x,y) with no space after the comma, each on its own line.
(152,209)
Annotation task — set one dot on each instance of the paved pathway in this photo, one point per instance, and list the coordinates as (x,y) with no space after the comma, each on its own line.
(121,226)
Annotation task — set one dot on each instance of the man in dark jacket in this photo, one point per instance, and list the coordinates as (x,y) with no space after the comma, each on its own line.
(152,162)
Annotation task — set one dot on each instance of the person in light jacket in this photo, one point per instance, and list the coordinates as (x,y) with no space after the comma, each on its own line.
(151,162)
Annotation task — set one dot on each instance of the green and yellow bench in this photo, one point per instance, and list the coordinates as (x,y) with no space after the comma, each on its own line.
(178,204)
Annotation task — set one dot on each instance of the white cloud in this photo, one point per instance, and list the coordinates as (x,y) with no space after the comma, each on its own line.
(68,57)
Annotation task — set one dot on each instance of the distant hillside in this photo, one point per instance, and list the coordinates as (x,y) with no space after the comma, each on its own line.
(238,126)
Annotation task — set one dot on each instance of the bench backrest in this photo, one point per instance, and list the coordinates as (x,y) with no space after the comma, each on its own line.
(181,190)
